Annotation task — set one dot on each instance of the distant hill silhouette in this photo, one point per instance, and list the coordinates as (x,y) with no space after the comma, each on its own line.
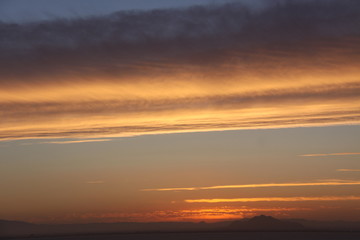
(258,223)
(265,223)
(10,228)
(23,229)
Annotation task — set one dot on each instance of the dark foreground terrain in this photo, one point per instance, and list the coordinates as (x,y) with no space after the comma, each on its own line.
(217,236)
(258,227)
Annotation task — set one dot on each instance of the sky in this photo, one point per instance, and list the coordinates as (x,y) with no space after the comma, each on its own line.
(20,11)
(191,111)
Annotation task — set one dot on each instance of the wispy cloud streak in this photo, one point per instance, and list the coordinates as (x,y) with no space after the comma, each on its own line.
(76,141)
(265,185)
(274,199)
(348,170)
(330,154)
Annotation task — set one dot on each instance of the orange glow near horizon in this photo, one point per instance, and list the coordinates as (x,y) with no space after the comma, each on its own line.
(186,215)
(225,213)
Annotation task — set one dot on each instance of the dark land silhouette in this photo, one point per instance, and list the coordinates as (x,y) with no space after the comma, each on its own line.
(9,229)
(266,223)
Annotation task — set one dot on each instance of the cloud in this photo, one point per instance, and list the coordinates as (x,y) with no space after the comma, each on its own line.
(68,141)
(226,212)
(203,68)
(348,170)
(330,154)
(264,185)
(219,213)
(274,199)
(77,141)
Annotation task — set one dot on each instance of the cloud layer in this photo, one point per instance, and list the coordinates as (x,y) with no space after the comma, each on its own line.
(219,213)
(330,154)
(348,170)
(274,199)
(204,68)
(264,185)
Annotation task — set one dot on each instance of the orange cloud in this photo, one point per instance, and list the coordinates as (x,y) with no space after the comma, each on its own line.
(348,170)
(329,183)
(220,213)
(203,214)
(274,199)
(330,154)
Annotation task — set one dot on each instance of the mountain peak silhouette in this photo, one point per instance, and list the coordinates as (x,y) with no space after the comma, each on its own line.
(263,218)
(265,223)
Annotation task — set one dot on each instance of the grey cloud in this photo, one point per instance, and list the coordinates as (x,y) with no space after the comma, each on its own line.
(121,43)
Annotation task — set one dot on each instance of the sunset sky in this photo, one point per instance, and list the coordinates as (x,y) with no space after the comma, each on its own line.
(179,110)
